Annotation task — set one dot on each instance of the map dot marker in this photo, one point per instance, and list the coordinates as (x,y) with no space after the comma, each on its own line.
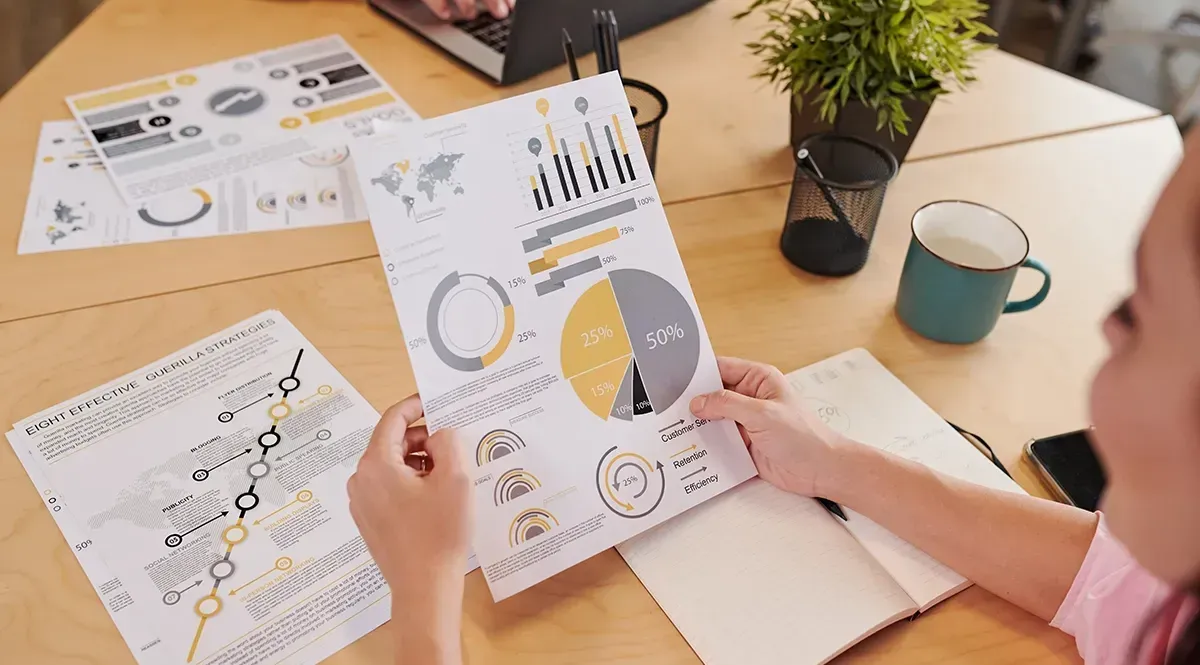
(535,146)
(581,104)
(403,166)
(543,106)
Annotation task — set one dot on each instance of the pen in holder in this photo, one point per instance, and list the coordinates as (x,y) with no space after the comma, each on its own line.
(837,195)
(648,106)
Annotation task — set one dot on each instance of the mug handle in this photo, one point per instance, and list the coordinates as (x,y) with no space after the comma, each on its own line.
(1039,297)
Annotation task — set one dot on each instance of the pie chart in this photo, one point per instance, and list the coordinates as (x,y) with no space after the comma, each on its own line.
(630,345)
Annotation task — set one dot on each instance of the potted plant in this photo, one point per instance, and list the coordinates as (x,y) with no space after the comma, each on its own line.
(867,68)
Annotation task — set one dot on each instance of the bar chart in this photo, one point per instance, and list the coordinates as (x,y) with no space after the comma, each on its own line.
(574,160)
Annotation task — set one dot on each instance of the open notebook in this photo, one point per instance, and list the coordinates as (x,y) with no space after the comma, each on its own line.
(761,576)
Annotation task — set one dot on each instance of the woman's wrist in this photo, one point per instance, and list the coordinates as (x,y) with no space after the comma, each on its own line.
(843,474)
(427,617)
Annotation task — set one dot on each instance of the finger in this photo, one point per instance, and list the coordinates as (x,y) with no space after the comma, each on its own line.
(730,405)
(466,8)
(512,4)
(392,427)
(440,8)
(415,438)
(498,8)
(751,378)
(444,451)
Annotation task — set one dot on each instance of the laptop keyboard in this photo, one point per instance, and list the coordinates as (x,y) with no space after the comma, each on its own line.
(488,29)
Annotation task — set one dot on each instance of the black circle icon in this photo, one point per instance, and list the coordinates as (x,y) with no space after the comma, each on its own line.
(173,540)
(309,83)
(159,121)
(171,597)
(200,475)
(289,383)
(225,416)
(269,439)
(246,501)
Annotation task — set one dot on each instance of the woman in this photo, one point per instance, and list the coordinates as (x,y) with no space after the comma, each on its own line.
(1125,583)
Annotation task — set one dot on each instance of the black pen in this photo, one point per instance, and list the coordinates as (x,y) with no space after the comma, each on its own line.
(598,38)
(833,508)
(569,54)
(616,41)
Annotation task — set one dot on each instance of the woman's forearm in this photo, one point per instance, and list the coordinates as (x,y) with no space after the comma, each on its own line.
(427,621)
(1023,549)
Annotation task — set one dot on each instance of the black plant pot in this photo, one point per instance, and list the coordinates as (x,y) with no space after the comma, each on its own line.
(858,120)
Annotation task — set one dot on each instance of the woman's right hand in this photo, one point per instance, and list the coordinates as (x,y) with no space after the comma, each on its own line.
(791,446)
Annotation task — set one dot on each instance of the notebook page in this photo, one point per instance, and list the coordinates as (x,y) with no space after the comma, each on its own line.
(856,395)
(758,576)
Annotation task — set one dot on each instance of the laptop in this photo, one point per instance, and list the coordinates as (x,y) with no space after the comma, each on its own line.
(528,41)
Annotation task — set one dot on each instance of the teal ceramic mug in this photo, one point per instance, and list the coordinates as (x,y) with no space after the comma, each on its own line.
(961,264)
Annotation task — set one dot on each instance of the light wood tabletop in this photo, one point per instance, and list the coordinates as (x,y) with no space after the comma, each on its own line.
(724,132)
(1029,378)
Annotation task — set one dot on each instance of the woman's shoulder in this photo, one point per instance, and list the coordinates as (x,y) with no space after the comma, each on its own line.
(1111,603)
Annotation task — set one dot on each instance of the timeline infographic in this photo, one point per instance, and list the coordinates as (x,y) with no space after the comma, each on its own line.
(204,496)
(550,321)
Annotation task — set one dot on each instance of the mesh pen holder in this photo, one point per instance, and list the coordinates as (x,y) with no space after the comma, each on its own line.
(648,106)
(837,194)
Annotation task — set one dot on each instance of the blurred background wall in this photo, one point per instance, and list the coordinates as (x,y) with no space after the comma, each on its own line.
(30,28)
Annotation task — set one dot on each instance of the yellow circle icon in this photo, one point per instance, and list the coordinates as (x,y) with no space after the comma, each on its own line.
(186,79)
(208,606)
(325,390)
(283,563)
(234,534)
(304,496)
(290,123)
(279,411)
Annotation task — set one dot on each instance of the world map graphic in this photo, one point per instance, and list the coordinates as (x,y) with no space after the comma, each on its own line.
(433,179)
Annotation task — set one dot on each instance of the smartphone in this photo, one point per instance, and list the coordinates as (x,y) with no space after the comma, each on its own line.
(1068,466)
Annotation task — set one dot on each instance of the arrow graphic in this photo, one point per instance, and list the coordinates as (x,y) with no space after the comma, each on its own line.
(230,460)
(208,521)
(268,395)
(282,564)
(322,435)
(701,470)
(190,586)
(677,424)
(303,496)
(685,450)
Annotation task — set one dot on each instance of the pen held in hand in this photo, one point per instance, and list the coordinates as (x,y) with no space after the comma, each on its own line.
(833,508)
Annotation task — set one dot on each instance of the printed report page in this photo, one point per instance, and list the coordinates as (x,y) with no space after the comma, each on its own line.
(549,319)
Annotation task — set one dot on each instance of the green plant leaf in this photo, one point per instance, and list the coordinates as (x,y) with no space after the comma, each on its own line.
(840,37)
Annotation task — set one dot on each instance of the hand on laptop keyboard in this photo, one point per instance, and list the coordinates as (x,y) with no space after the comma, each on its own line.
(450,9)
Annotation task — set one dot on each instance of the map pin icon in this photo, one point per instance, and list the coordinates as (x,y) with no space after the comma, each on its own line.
(535,146)
(581,104)
(543,106)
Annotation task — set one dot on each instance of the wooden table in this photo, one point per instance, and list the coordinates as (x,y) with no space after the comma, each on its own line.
(725,131)
(1029,378)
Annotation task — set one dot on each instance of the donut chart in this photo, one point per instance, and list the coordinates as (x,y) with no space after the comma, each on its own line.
(470,321)
(630,345)
(167,213)
(629,484)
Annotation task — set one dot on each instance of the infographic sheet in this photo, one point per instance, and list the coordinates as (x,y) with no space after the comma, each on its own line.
(174,132)
(204,495)
(549,319)
(73,204)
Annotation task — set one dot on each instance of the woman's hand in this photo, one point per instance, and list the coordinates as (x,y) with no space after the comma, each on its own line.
(791,447)
(466,8)
(414,513)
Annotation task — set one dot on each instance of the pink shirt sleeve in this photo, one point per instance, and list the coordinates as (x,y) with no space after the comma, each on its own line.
(1110,602)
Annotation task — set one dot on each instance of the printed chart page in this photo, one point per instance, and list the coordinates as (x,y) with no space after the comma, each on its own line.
(856,395)
(73,204)
(176,131)
(212,485)
(549,318)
